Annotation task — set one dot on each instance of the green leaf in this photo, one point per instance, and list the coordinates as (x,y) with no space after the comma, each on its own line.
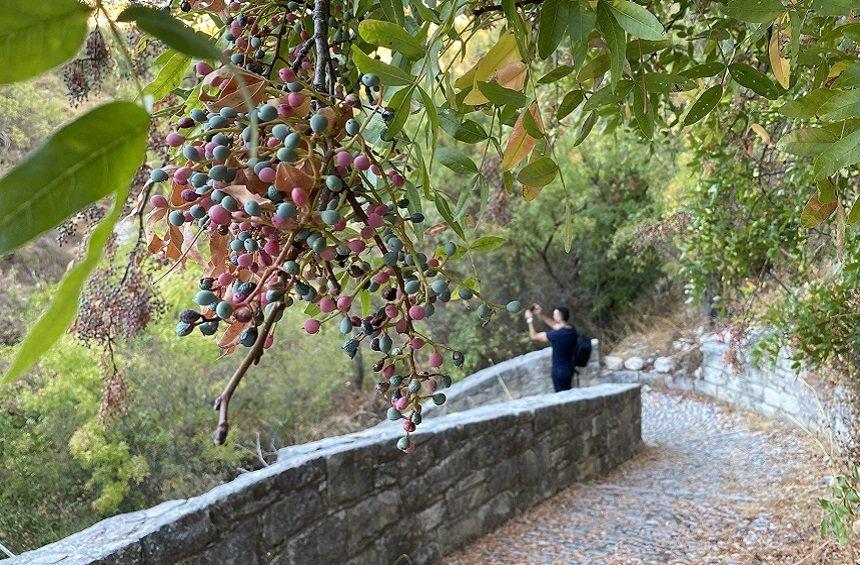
(552,26)
(501,96)
(445,211)
(391,36)
(487,243)
(37,36)
(854,213)
(531,126)
(843,153)
(83,162)
(604,96)
(704,70)
(169,76)
(849,78)
(569,103)
(54,322)
(585,128)
(172,32)
(706,102)
(807,106)
(641,111)
(539,172)
(807,142)
(666,82)
(456,160)
(615,39)
(401,103)
(470,131)
(432,114)
(842,107)
(393,10)
(636,20)
(754,11)
(555,74)
(748,76)
(594,68)
(388,74)
(834,7)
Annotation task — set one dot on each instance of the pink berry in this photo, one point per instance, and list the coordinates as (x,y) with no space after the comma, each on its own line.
(356,245)
(416,312)
(344,303)
(219,215)
(416,343)
(272,247)
(245,260)
(270,339)
(299,196)
(181,175)
(267,175)
(362,163)
(390,310)
(435,359)
(224,279)
(295,99)
(175,139)
(343,158)
(367,232)
(158,201)
(402,326)
(401,402)
(388,371)
(286,74)
(327,305)
(312,326)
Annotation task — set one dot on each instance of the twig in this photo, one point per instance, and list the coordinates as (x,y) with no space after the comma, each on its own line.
(223,401)
(303,52)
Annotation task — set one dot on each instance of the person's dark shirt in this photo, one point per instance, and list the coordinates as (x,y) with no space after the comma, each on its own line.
(563,343)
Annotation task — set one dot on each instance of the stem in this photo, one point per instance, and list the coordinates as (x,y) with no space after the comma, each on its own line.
(222,403)
(321,14)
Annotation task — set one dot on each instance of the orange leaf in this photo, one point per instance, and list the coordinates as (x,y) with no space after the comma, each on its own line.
(241,193)
(530,192)
(520,143)
(778,64)
(513,75)
(289,177)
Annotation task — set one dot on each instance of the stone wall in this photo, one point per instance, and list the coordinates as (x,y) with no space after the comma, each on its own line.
(769,387)
(521,376)
(357,499)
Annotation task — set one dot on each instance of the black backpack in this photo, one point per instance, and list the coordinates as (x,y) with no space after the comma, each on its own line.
(582,352)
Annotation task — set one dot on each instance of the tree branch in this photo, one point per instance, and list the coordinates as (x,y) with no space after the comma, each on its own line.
(222,403)
(321,14)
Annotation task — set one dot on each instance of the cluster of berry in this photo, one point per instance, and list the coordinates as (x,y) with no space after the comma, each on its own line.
(298,205)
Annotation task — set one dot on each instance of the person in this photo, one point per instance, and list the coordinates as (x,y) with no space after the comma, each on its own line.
(562,337)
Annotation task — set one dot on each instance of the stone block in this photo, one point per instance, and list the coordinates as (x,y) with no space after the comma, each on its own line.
(634,364)
(613,363)
(664,364)
(349,475)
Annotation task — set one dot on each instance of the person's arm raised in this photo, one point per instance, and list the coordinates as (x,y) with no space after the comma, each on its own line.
(537,336)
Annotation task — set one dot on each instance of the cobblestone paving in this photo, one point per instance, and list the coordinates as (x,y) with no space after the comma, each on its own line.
(712,485)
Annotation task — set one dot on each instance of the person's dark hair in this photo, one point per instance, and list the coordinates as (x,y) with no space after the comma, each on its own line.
(565,313)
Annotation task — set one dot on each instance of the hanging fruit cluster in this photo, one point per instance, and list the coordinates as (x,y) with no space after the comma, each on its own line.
(298,207)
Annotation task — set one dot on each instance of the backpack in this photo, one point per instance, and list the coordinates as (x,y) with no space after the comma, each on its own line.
(582,352)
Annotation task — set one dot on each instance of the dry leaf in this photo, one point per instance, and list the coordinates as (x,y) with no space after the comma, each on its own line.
(779,64)
(762,133)
(513,75)
(520,143)
(289,177)
(530,192)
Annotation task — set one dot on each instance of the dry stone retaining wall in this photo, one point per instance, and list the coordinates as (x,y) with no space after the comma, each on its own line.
(769,387)
(356,499)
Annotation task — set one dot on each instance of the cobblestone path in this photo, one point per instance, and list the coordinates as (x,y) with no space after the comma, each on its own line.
(712,485)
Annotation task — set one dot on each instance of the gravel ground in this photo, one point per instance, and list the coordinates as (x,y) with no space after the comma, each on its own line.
(712,485)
